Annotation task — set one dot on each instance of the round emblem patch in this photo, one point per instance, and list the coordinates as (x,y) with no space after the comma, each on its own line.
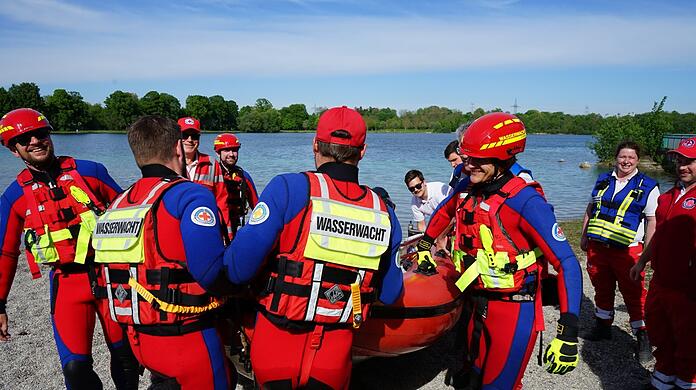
(689,203)
(203,216)
(259,214)
(188,121)
(689,143)
(557,232)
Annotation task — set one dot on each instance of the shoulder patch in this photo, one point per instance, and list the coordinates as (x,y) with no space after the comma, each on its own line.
(259,214)
(203,216)
(557,232)
(689,203)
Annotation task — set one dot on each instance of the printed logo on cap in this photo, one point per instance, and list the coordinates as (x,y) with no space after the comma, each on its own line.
(203,216)
(260,214)
(689,203)
(557,233)
(189,121)
(689,143)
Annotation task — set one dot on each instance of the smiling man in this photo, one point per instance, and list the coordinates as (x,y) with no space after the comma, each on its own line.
(51,208)
(426,196)
(201,169)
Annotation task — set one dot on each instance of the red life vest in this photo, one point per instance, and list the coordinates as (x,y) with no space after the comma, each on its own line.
(237,196)
(303,289)
(472,213)
(207,172)
(52,208)
(143,286)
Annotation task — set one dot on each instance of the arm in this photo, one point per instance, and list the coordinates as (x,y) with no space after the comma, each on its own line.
(253,195)
(585,221)
(393,280)
(11,224)
(97,177)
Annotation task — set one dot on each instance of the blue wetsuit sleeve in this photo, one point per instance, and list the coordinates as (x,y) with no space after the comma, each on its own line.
(393,281)
(194,206)
(254,195)
(539,224)
(98,171)
(252,244)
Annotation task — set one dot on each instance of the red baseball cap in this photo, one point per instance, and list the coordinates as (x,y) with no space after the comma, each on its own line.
(341,118)
(188,122)
(687,148)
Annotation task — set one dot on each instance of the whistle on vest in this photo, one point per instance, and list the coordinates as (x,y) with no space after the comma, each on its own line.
(357,305)
(81,196)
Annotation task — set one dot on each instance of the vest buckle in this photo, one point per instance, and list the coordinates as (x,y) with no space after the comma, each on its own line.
(510,268)
(56,193)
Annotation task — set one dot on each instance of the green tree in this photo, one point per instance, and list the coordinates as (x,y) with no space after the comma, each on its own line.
(164,104)
(656,124)
(198,107)
(263,104)
(25,95)
(67,111)
(293,116)
(121,109)
(5,103)
(222,114)
(613,131)
(96,117)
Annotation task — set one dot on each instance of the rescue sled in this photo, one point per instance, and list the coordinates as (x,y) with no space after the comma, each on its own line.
(429,307)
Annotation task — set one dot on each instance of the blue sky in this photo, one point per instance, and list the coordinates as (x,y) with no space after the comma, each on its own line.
(573,56)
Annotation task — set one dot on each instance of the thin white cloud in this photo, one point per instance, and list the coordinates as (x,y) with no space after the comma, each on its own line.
(131,47)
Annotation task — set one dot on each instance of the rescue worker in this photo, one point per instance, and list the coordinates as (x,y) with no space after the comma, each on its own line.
(51,208)
(502,225)
(618,219)
(327,248)
(670,309)
(162,252)
(203,170)
(241,191)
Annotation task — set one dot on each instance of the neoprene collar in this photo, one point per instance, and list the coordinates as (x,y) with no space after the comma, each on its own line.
(340,171)
(489,188)
(157,170)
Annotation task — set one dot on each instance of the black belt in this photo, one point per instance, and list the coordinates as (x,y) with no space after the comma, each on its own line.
(173,296)
(152,276)
(298,290)
(329,274)
(508,297)
(175,329)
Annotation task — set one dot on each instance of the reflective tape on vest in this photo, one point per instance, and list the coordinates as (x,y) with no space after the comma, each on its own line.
(346,234)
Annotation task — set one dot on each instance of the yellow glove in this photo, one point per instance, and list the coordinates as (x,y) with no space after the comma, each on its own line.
(426,264)
(562,353)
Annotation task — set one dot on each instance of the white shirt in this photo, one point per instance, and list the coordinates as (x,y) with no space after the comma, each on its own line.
(650,205)
(422,209)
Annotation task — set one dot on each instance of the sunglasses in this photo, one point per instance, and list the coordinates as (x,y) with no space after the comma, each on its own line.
(25,139)
(416,187)
(193,136)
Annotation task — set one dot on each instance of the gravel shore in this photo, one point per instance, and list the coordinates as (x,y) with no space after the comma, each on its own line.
(30,361)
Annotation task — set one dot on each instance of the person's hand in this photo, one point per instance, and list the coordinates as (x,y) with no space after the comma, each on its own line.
(583,243)
(426,264)
(636,272)
(4,328)
(561,354)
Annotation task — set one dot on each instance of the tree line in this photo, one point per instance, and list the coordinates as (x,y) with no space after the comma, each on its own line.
(68,112)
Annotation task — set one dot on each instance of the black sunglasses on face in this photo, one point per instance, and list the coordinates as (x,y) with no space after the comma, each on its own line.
(416,187)
(25,139)
(193,136)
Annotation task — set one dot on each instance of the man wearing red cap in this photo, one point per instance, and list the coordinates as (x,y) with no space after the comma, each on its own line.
(327,247)
(200,168)
(670,309)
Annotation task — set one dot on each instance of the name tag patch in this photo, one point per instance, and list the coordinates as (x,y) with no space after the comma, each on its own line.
(118,228)
(330,225)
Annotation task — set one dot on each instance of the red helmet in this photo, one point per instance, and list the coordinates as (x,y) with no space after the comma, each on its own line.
(496,135)
(20,121)
(225,141)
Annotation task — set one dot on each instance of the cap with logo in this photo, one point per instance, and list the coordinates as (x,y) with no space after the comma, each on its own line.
(342,118)
(188,123)
(686,148)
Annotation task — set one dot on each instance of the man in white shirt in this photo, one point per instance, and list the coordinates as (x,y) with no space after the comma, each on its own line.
(426,196)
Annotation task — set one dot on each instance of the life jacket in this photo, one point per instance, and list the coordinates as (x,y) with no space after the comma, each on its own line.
(615,218)
(60,217)
(492,260)
(143,287)
(205,172)
(237,195)
(327,259)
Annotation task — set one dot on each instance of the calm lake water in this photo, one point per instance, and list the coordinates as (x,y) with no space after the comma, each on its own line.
(553,159)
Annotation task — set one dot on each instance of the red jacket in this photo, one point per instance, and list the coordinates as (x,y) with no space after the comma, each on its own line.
(673,244)
(209,174)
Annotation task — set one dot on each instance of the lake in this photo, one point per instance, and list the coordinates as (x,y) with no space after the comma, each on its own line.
(553,159)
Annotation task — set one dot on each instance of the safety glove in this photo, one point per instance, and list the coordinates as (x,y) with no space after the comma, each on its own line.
(562,353)
(426,264)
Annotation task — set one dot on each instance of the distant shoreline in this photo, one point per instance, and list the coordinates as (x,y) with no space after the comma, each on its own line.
(388,131)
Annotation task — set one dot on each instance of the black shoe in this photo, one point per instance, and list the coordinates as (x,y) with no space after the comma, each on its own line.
(601,331)
(644,353)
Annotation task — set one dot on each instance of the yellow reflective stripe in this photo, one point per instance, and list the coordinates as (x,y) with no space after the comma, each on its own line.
(59,235)
(598,206)
(467,277)
(357,305)
(87,225)
(172,308)
(598,224)
(621,213)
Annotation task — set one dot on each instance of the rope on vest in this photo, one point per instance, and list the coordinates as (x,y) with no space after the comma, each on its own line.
(170,307)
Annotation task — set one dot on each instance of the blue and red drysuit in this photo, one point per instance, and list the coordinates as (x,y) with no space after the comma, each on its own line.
(504,350)
(279,346)
(186,350)
(73,304)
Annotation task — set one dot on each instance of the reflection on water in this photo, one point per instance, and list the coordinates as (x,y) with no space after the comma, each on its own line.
(553,159)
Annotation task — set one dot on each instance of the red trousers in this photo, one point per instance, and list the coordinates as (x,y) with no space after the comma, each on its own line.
(608,266)
(195,360)
(283,358)
(671,321)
